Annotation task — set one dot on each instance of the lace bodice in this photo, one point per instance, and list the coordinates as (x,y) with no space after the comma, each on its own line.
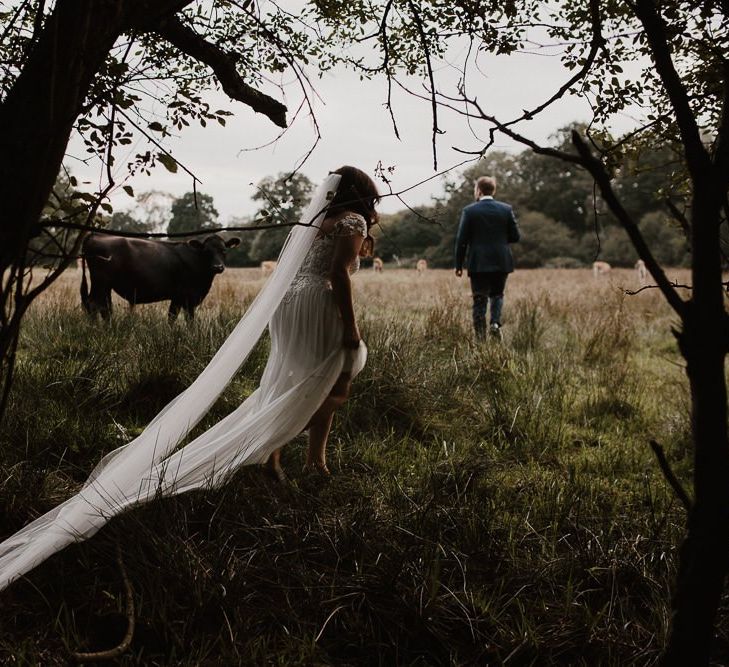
(317,264)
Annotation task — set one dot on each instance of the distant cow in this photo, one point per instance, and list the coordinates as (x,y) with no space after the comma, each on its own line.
(421,266)
(145,271)
(600,268)
(268,267)
(377,265)
(642,272)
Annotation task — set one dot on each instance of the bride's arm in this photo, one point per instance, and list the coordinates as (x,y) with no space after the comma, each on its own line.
(346,249)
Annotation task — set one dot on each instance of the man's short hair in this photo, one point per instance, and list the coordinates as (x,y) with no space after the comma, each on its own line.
(486,185)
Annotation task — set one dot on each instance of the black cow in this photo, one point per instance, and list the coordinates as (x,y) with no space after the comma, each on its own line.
(143,271)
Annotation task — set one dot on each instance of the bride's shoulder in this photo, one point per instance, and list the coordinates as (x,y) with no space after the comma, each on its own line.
(350,224)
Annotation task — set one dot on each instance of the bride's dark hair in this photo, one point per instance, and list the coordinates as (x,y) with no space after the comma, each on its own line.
(358,193)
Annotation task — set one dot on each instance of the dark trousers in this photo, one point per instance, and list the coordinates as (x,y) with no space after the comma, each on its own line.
(487,288)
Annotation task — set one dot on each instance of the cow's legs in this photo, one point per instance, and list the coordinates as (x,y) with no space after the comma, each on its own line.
(189,311)
(105,309)
(100,300)
(173,311)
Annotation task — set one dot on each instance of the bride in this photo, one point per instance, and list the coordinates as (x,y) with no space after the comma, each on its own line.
(315,352)
(316,319)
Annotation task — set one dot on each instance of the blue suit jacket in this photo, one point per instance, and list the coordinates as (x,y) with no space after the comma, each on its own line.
(486,229)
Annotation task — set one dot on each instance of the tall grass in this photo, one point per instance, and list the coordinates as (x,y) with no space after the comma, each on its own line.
(491,503)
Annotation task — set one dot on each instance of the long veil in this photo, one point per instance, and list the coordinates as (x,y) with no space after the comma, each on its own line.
(146,466)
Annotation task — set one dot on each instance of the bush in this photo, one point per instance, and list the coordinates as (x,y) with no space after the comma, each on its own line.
(564,263)
(610,245)
(665,239)
(541,240)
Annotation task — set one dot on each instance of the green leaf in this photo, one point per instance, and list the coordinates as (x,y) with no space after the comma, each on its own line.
(168,161)
(129,190)
(84,195)
(157,127)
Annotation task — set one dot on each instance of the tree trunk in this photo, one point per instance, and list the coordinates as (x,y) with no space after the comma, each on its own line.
(704,554)
(39,111)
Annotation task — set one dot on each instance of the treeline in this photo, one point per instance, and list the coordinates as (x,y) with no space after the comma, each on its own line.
(563,222)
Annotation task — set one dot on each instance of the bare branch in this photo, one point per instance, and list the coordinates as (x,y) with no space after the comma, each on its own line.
(189,42)
(431,78)
(541,150)
(63,224)
(386,65)
(633,292)
(670,476)
(596,43)
(126,641)
(301,78)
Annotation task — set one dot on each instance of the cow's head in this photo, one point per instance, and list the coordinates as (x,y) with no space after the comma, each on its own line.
(213,250)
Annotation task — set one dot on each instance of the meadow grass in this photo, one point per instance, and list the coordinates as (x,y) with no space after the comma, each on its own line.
(490,503)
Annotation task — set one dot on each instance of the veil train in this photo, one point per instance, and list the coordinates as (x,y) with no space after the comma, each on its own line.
(148,465)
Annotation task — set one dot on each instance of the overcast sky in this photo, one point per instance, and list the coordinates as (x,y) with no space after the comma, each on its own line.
(356,129)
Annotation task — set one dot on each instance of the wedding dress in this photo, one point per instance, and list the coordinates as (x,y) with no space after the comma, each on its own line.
(305,360)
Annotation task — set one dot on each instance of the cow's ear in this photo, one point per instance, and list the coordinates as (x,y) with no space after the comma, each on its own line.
(232,242)
(196,244)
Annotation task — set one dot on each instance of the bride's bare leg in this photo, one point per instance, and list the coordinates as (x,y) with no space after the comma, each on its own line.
(319,427)
(274,465)
(321,422)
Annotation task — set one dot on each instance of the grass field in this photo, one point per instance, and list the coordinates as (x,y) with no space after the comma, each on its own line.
(490,504)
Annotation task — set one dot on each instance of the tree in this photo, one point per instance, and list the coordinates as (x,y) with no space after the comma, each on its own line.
(153,209)
(665,237)
(408,233)
(281,202)
(614,247)
(192,213)
(241,254)
(558,190)
(126,222)
(543,239)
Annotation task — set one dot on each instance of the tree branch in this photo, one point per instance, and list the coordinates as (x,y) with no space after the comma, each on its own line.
(697,158)
(599,173)
(516,136)
(680,217)
(63,224)
(126,642)
(223,65)
(633,292)
(597,42)
(670,476)
(386,65)
(429,67)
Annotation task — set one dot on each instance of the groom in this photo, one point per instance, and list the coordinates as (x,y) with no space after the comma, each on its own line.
(486,229)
